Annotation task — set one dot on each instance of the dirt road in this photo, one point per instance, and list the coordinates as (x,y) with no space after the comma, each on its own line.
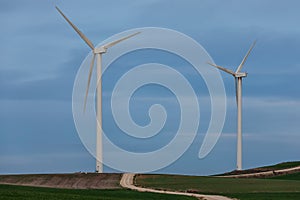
(127,182)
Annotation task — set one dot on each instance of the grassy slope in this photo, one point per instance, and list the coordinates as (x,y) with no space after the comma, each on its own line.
(284,165)
(279,166)
(8,192)
(215,185)
(282,187)
(244,189)
(285,187)
(295,176)
(266,196)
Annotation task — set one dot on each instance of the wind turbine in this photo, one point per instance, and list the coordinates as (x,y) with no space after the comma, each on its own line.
(97,54)
(238,75)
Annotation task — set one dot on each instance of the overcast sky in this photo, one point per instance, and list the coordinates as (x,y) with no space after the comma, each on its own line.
(40,56)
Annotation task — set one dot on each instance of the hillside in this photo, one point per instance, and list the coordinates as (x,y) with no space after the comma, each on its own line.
(277,186)
(280,166)
(67,181)
(107,186)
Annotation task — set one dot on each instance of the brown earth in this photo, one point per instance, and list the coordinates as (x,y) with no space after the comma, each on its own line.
(68,181)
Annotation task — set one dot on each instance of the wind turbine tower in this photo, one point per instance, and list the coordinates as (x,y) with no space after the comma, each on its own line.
(238,76)
(97,54)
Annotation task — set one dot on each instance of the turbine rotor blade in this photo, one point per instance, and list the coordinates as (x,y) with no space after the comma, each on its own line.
(89,81)
(245,58)
(222,68)
(87,41)
(120,40)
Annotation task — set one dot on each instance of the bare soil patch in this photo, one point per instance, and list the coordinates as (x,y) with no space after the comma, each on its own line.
(67,181)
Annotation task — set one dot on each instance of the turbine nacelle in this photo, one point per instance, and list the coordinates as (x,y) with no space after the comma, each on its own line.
(240,75)
(100,50)
(237,73)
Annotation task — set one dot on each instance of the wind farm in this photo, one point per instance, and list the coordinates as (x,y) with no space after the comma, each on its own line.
(124,118)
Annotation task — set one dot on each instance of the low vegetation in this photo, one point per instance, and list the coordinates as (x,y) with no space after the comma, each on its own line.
(295,176)
(285,187)
(106,186)
(8,192)
(285,165)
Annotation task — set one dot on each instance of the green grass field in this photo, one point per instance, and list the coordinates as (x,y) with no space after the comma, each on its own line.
(284,165)
(284,187)
(8,192)
(295,176)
